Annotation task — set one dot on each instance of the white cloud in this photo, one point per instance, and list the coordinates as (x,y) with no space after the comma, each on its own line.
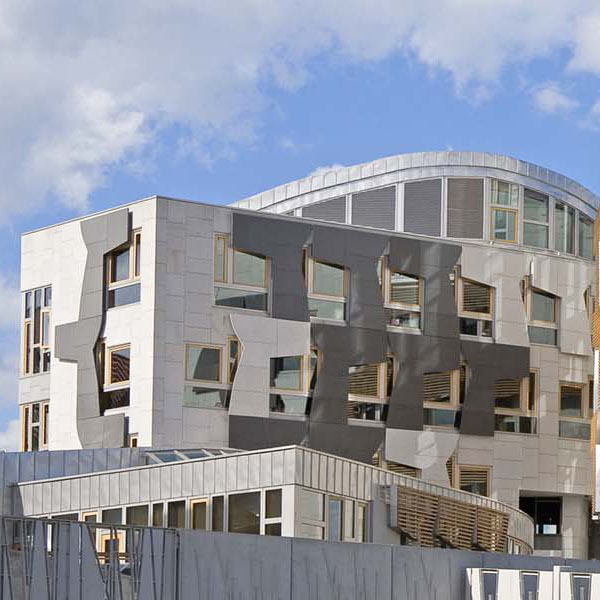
(88,86)
(592,119)
(550,98)
(326,169)
(10,438)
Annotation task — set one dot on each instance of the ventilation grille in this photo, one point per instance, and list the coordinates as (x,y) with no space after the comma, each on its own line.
(330,210)
(375,208)
(422,207)
(465,208)
(474,480)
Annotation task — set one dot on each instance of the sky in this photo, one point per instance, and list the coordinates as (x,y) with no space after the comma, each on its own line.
(103,103)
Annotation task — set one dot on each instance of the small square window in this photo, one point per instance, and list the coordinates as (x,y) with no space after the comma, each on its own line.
(119,364)
(286,373)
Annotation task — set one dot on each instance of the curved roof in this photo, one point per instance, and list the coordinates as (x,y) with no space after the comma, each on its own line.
(389,170)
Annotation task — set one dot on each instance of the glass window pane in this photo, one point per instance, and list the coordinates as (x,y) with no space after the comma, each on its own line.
(490,585)
(249,269)
(138,253)
(286,372)
(366,411)
(45,329)
(28,305)
(404,289)
(35,437)
(273,529)
(37,312)
(487,328)
(361,525)
(440,418)
(176,514)
(200,397)
(203,364)
(564,228)
(535,235)
(240,299)
(234,357)
(119,365)
(220,259)
(218,511)
(244,513)
(137,515)
(348,519)
(312,506)
(114,399)
(529,586)
(543,307)
(48,297)
(119,266)
(504,193)
(362,380)
(474,481)
(328,279)
(122,296)
(314,365)
(199,515)
(112,516)
(542,335)
(295,405)
(334,531)
(531,400)
(273,504)
(535,206)
(571,401)
(581,587)
(504,225)
(327,309)
(586,237)
(469,326)
(157,515)
(507,393)
(403,318)
(574,430)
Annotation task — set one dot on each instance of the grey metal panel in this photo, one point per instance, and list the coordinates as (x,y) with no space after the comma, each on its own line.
(423,207)
(283,242)
(57,463)
(209,476)
(113,481)
(375,208)
(231,468)
(124,492)
(418,355)
(165,483)
(220,476)
(360,252)
(289,466)
(104,490)
(95,491)
(155,486)
(175,480)
(465,208)
(145,486)
(349,441)
(39,583)
(186,480)
(42,465)
(254,433)
(265,470)
(331,210)
(75,342)
(341,571)
(488,363)
(134,486)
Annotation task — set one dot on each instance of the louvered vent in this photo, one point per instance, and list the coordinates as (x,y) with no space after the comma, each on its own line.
(422,207)
(330,210)
(362,380)
(376,459)
(476,297)
(436,387)
(401,469)
(465,208)
(375,208)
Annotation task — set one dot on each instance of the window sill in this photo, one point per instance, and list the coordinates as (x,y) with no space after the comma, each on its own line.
(366,423)
(324,321)
(244,311)
(409,330)
(111,308)
(288,416)
(32,375)
(477,338)
(116,411)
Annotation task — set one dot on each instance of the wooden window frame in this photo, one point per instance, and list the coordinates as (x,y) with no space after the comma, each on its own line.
(459,290)
(386,287)
(506,209)
(210,382)
(27,425)
(301,373)
(546,224)
(108,383)
(231,340)
(585,411)
(523,409)
(134,276)
(224,239)
(133,440)
(309,276)
(229,265)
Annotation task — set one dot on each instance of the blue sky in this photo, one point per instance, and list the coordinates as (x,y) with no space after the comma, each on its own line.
(215,102)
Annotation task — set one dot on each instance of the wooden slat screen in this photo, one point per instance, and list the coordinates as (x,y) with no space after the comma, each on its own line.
(433,521)
(472,479)
(362,380)
(404,289)
(507,393)
(401,469)
(477,297)
(436,387)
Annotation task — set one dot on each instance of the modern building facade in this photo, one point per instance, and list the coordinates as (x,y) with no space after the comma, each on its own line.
(427,314)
